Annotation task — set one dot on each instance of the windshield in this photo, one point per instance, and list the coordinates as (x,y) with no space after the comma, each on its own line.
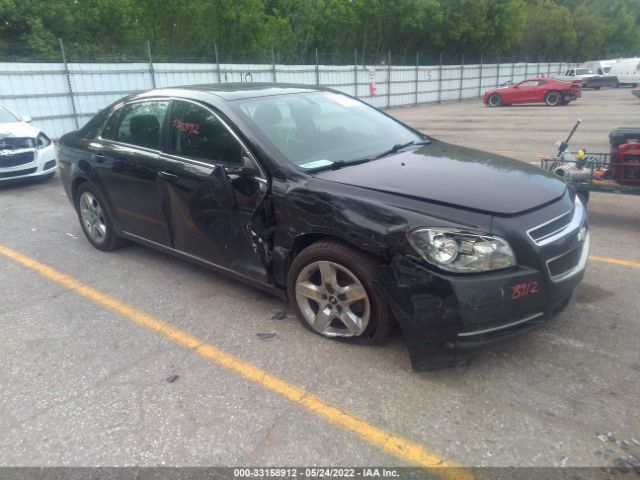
(583,71)
(315,130)
(6,116)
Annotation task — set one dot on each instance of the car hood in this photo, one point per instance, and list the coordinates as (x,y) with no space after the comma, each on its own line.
(18,129)
(456,176)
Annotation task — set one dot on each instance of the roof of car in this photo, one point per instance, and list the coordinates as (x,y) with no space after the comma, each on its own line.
(242,90)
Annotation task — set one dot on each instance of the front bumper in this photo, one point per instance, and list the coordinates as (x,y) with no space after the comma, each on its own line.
(446,318)
(26,164)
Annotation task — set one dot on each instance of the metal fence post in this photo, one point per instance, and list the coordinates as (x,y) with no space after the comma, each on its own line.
(461,77)
(215,46)
(538,69)
(389,80)
(417,77)
(480,75)
(151,72)
(526,66)
(549,66)
(440,81)
(317,69)
(513,69)
(355,72)
(273,63)
(560,66)
(68,75)
(498,72)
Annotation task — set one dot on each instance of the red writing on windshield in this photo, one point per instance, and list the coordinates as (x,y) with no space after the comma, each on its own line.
(191,128)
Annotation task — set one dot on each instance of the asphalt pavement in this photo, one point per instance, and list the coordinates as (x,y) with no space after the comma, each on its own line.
(87,381)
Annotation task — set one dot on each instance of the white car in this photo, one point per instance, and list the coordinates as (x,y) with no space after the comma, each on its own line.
(25,151)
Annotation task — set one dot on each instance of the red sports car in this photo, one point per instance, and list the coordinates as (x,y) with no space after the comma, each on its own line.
(534,90)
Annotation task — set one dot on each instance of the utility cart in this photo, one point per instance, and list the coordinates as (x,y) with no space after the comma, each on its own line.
(617,171)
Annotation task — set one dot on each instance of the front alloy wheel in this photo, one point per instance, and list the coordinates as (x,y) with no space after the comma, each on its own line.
(331,288)
(494,100)
(332,300)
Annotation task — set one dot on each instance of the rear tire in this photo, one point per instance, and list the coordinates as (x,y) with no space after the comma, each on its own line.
(553,98)
(95,220)
(494,100)
(330,281)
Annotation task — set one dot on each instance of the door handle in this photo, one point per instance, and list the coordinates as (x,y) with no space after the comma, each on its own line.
(167,176)
(99,156)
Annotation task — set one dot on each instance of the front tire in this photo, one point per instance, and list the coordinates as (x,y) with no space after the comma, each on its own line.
(553,98)
(330,287)
(95,220)
(494,100)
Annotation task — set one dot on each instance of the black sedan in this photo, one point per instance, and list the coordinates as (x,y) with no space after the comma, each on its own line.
(361,221)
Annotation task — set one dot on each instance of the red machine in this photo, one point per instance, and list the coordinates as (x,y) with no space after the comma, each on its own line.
(625,155)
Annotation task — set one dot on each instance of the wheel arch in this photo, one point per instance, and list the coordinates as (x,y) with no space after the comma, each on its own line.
(284,256)
(304,240)
(75,185)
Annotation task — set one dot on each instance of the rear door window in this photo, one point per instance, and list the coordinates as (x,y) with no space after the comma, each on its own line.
(138,124)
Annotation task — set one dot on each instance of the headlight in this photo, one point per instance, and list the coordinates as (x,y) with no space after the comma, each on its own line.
(460,251)
(42,141)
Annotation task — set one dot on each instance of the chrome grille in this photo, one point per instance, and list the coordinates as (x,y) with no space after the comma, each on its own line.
(570,262)
(15,159)
(565,262)
(558,227)
(552,227)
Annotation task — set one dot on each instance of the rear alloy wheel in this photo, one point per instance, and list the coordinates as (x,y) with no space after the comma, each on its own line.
(331,289)
(95,221)
(553,98)
(494,100)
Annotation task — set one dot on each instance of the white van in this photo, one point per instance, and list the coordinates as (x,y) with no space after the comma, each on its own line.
(599,67)
(626,71)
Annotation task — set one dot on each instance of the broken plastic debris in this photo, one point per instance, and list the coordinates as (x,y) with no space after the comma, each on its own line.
(173,378)
(563,462)
(279,315)
(71,235)
(266,335)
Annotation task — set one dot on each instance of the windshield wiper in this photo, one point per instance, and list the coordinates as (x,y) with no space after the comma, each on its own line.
(399,146)
(338,164)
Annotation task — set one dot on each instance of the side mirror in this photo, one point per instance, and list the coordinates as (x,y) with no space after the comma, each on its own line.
(26,119)
(246,169)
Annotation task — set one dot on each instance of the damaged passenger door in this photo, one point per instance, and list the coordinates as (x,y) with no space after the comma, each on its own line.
(213,191)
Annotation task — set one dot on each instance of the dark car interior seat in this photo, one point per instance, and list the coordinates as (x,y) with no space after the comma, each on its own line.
(145,131)
(267,115)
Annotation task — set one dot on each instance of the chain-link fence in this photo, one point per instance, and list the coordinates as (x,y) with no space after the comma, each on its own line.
(62,96)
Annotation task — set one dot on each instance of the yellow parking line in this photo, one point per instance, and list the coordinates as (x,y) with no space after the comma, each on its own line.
(390,443)
(614,261)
